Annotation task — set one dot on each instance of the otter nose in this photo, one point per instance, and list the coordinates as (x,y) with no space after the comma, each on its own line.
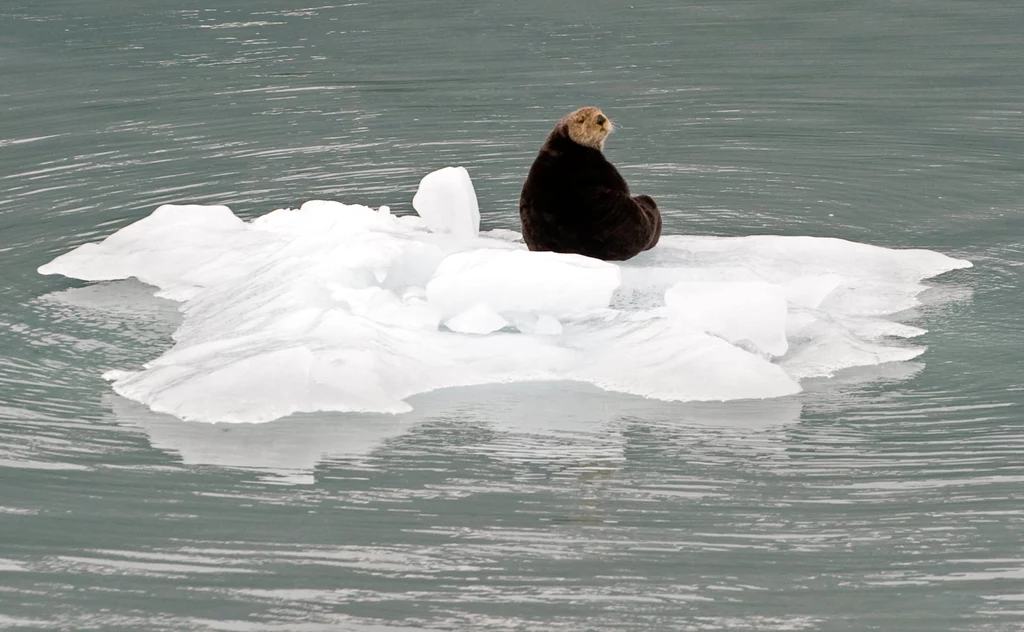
(601,119)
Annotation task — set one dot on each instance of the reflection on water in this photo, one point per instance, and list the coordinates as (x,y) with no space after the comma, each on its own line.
(291,447)
(535,422)
(532,423)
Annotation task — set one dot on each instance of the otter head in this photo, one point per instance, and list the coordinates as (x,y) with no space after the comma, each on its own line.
(588,127)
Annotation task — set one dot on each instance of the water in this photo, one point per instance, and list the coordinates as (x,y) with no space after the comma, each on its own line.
(887,499)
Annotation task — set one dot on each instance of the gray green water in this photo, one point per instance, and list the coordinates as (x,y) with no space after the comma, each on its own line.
(891,500)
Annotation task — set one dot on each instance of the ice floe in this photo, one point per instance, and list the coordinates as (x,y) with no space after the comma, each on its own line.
(339,307)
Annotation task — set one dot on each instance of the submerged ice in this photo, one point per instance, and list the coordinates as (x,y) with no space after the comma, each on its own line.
(337,307)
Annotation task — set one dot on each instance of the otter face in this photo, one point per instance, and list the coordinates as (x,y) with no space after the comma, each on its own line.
(588,127)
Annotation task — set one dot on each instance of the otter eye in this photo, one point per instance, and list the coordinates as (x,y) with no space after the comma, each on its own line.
(601,120)
(580,119)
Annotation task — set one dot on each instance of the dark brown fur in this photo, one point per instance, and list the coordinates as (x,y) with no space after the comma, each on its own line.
(575,201)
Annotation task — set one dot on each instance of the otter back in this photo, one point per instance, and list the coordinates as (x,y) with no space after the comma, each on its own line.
(575,201)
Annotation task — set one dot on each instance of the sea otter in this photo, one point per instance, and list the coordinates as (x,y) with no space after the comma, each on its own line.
(575,201)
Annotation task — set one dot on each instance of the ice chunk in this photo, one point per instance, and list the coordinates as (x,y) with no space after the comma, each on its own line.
(521,281)
(751,313)
(826,346)
(872,280)
(179,249)
(547,326)
(337,307)
(504,234)
(810,291)
(447,202)
(479,319)
(542,325)
(666,359)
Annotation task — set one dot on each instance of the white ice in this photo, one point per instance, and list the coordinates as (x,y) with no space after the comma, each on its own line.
(521,281)
(726,309)
(447,202)
(479,319)
(335,307)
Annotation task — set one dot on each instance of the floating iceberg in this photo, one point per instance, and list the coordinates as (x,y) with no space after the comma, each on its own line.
(337,307)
